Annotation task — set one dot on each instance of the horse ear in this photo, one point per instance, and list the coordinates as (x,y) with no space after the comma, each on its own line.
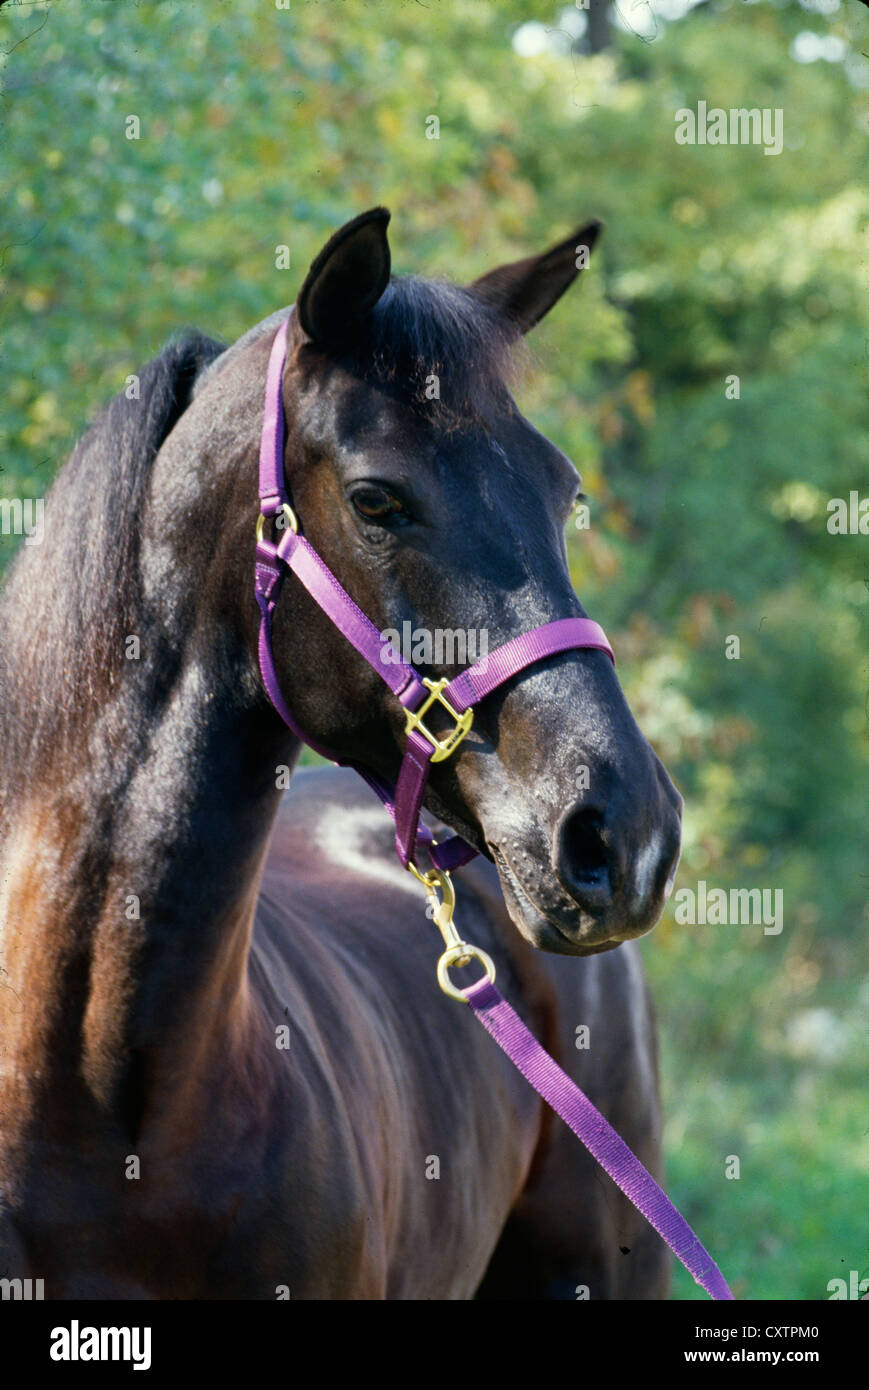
(526,290)
(346,279)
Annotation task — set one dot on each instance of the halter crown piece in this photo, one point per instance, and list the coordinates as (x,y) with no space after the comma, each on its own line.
(293,553)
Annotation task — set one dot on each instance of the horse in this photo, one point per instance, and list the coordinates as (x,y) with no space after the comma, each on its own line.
(226,1070)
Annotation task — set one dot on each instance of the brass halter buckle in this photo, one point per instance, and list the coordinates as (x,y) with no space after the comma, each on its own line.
(443,747)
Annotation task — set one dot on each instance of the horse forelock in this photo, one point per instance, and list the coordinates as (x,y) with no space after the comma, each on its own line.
(438,347)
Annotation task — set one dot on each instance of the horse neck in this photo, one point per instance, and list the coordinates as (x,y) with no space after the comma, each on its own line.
(130,867)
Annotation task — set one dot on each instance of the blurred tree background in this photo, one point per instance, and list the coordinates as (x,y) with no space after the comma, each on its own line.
(261,126)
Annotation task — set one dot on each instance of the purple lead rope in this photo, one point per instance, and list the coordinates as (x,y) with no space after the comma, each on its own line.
(596,1133)
(292,553)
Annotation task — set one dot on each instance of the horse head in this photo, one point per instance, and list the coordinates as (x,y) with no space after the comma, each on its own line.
(442,510)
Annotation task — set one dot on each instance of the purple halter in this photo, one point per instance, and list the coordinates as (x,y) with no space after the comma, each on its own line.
(416,693)
(274,559)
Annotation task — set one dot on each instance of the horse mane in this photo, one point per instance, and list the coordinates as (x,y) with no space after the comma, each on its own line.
(62,643)
(421,328)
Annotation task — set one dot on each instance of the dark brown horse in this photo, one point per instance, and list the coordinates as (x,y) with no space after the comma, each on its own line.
(226,1069)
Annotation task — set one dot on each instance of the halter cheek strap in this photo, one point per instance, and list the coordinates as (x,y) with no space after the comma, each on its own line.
(292,553)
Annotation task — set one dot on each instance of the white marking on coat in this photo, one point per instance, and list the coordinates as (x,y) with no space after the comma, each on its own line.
(348,838)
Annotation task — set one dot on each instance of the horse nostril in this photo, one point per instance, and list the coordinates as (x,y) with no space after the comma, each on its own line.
(584,860)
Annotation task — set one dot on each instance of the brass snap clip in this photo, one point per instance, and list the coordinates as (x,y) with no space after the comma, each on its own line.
(442,895)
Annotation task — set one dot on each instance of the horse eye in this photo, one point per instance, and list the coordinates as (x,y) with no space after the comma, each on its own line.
(376,504)
(579,501)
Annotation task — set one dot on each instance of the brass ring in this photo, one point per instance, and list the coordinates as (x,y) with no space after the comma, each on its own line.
(462,953)
(292,521)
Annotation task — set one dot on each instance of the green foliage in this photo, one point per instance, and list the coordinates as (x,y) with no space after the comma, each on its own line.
(261,127)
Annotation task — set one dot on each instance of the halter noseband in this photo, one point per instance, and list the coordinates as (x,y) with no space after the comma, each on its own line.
(292,552)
